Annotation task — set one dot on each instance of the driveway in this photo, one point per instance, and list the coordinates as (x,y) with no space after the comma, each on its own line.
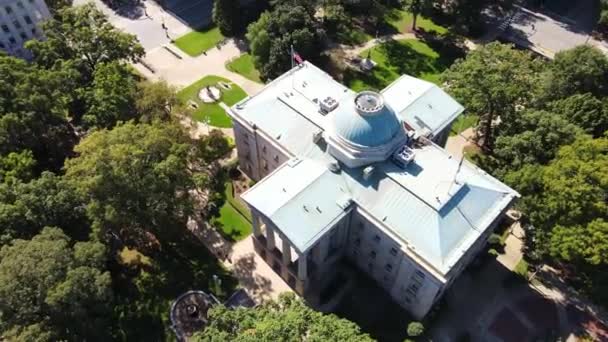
(144,21)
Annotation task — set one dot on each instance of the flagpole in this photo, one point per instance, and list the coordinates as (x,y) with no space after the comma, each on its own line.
(291,55)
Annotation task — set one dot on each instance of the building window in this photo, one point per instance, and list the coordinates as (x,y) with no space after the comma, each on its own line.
(276,158)
(372,254)
(264,149)
(34,31)
(8,9)
(27,19)
(19,4)
(361,226)
(264,164)
(31,1)
(5,29)
(388,268)
(17,24)
(394,251)
(23,35)
(2,46)
(408,300)
(377,238)
(420,274)
(12,40)
(357,242)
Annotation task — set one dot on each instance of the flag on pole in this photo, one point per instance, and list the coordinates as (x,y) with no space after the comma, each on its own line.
(295,57)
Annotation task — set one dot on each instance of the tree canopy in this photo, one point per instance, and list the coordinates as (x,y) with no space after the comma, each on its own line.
(493,81)
(290,23)
(287,319)
(135,178)
(52,289)
(226,16)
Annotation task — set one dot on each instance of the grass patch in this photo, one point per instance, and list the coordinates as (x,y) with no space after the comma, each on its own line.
(233,219)
(212,111)
(401,21)
(521,268)
(463,122)
(197,42)
(243,65)
(395,58)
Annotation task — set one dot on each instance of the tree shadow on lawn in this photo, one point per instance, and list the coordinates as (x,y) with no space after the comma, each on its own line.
(143,296)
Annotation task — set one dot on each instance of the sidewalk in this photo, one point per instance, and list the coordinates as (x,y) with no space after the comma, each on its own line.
(185,71)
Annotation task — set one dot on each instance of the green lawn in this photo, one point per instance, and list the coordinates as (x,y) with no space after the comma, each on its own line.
(214,112)
(401,21)
(197,42)
(234,219)
(395,58)
(243,65)
(463,123)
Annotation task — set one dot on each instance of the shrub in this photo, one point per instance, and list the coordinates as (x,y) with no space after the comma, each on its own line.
(415,329)
(494,239)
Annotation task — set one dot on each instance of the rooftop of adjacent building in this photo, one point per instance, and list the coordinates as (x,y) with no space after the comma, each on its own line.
(436,205)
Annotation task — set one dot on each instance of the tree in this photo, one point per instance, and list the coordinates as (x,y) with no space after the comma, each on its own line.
(17,166)
(414,7)
(52,289)
(287,319)
(32,113)
(272,36)
(584,110)
(25,208)
(77,40)
(157,101)
(588,243)
(226,16)
(492,82)
(532,137)
(583,69)
(136,180)
(112,96)
(415,329)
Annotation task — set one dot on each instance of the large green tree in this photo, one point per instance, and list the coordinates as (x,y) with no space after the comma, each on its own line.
(52,289)
(272,36)
(25,208)
(227,16)
(81,38)
(585,111)
(493,82)
(287,319)
(136,179)
(583,69)
(33,113)
(112,96)
(157,101)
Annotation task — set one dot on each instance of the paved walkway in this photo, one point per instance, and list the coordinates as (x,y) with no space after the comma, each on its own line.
(456,143)
(253,273)
(187,70)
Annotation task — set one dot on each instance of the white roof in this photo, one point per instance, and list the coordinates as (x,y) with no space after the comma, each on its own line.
(435,207)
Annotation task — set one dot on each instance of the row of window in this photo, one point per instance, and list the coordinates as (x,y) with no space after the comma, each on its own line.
(13,41)
(17,24)
(8,9)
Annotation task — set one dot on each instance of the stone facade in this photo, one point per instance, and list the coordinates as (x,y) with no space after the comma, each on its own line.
(19,22)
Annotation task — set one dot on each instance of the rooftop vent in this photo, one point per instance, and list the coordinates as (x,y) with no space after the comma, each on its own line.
(368,172)
(328,104)
(403,156)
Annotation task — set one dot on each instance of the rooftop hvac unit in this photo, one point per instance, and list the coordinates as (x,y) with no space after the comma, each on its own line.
(403,156)
(328,104)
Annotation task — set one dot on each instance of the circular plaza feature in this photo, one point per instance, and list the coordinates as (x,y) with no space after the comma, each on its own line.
(189,313)
(209,94)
